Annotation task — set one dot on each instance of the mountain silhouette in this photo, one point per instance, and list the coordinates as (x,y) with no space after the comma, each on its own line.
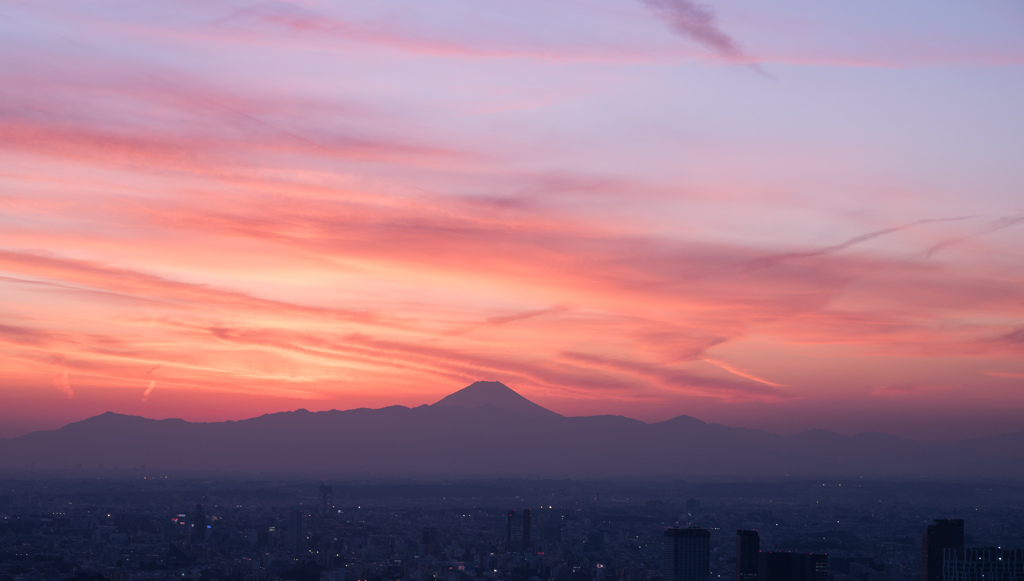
(496,395)
(488,430)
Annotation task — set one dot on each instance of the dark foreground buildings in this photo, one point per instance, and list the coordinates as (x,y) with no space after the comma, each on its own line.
(753,565)
(519,531)
(687,555)
(944,534)
(748,549)
(944,557)
(295,537)
(786,566)
(988,564)
(139,530)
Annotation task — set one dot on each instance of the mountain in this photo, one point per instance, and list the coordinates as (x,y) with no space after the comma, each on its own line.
(496,395)
(488,430)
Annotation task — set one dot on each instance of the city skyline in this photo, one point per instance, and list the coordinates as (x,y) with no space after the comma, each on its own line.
(193,529)
(780,217)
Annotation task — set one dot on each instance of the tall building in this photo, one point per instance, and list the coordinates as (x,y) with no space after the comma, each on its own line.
(293,541)
(983,565)
(748,546)
(519,530)
(787,566)
(325,499)
(687,554)
(429,541)
(818,565)
(197,526)
(944,534)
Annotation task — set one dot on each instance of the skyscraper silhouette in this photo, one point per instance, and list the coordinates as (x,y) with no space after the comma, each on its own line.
(325,499)
(519,530)
(983,564)
(294,539)
(687,555)
(748,545)
(197,528)
(818,566)
(944,534)
(788,566)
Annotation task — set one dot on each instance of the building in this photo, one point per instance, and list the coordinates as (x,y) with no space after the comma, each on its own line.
(519,530)
(748,547)
(944,534)
(983,564)
(817,566)
(687,554)
(294,538)
(197,527)
(787,566)
(325,499)
(429,542)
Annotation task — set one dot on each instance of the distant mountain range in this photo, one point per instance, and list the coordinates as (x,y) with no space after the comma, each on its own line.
(489,430)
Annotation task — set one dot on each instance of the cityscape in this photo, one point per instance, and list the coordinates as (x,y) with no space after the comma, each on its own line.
(149,527)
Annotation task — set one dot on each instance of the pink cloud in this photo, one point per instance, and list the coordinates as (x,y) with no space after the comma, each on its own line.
(910,389)
(61,382)
(1005,374)
(696,22)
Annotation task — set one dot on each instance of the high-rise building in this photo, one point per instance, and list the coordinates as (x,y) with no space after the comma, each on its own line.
(325,499)
(197,525)
(944,534)
(818,565)
(293,541)
(519,530)
(687,554)
(787,566)
(428,541)
(983,564)
(748,546)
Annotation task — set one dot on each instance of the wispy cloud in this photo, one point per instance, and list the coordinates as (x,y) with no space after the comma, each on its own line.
(689,382)
(740,372)
(505,319)
(1006,374)
(912,389)
(1014,336)
(768,261)
(989,228)
(97,276)
(695,21)
(149,389)
(63,384)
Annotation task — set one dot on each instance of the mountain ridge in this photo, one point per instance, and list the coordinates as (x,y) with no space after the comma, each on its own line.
(488,431)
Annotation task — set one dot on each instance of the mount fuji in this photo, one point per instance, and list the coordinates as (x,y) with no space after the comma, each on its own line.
(488,430)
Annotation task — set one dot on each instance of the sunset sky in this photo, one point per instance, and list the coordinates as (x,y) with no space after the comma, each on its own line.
(784,215)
